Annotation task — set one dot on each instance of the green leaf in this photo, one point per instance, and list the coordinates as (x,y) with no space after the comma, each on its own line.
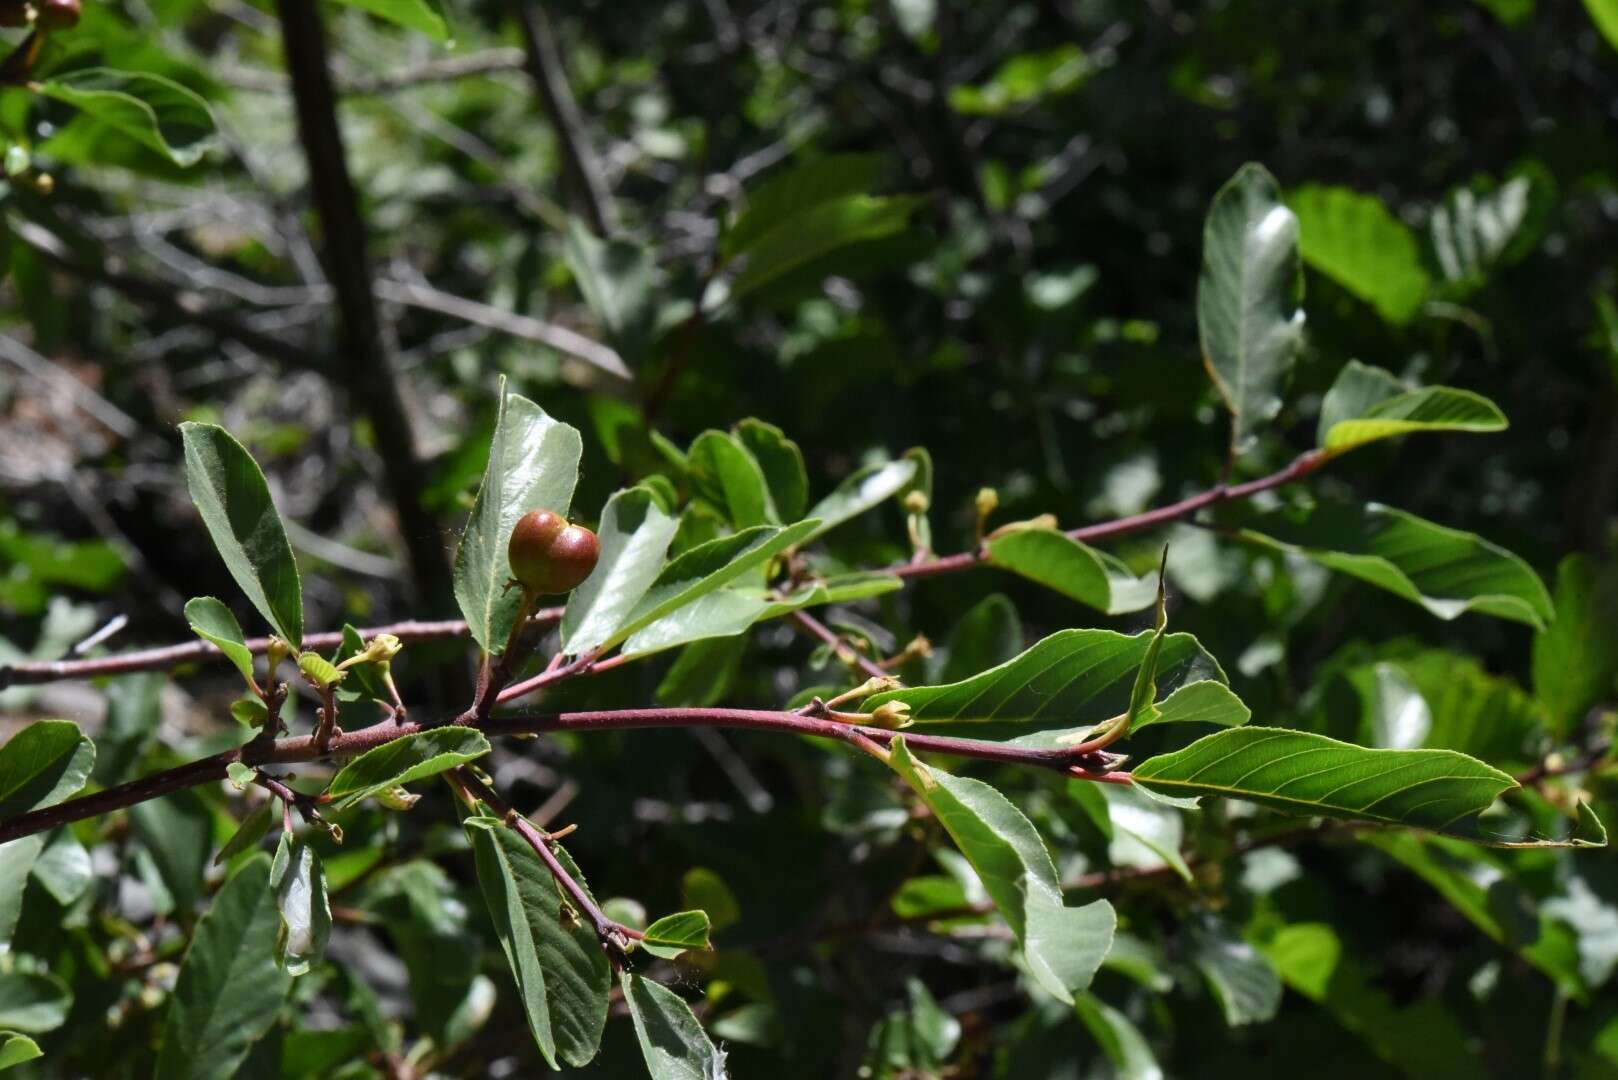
(1247,299)
(1355,241)
(1119,1039)
(1063,946)
(617,278)
(1075,570)
(1419,1038)
(1070,681)
(33,1003)
(816,231)
(1241,978)
(43,764)
(254,827)
(635,534)
(156,112)
(362,682)
(177,831)
(782,463)
(322,671)
(230,989)
(730,611)
(212,621)
(1203,702)
(1474,231)
(862,490)
(1446,571)
(16,861)
(64,868)
(1604,13)
(707,567)
(1023,81)
(724,472)
(704,889)
(988,634)
(299,882)
(1144,832)
(1302,773)
(533,465)
(424,16)
(1366,404)
(561,971)
(672,935)
(134,713)
(16,1049)
(913,1043)
(796,190)
(234,501)
(1576,656)
(1477,885)
(703,672)
(413,757)
(671,1040)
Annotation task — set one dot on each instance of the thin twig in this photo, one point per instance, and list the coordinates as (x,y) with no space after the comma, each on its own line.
(351,743)
(840,648)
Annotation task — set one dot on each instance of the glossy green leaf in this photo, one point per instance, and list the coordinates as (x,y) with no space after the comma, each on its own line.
(33,1004)
(1075,570)
(672,935)
(413,757)
(617,278)
(16,1049)
(1063,946)
(177,831)
(1070,681)
(154,111)
(299,881)
(1604,13)
(1120,1040)
(533,465)
(1144,833)
(672,1042)
(1419,1038)
(1355,241)
(782,463)
(707,567)
(1474,230)
(230,493)
(862,490)
(816,231)
(1576,656)
(230,989)
(42,764)
(1476,884)
(794,190)
(1023,81)
(987,635)
(424,16)
(730,611)
(17,859)
(1447,571)
(915,1042)
(212,621)
(1366,404)
(1241,979)
(703,672)
(1302,773)
(724,472)
(635,533)
(319,670)
(254,827)
(1248,299)
(63,867)
(703,889)
(561,972)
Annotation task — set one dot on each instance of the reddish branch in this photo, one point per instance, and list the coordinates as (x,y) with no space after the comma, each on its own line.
(349,744)
(841,649)
(151,659)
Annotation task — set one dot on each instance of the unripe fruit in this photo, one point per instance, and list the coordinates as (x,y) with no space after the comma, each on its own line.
(550,556)
(57,14)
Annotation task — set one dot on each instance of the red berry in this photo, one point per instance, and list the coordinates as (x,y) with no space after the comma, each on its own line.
(550,556)
(57,14)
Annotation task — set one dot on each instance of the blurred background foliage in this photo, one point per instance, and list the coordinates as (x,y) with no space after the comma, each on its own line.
(996,218)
